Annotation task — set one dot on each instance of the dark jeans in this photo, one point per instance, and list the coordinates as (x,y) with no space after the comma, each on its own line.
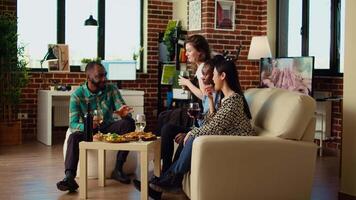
(168,133)
(174,175)
(122,126)
(183,164)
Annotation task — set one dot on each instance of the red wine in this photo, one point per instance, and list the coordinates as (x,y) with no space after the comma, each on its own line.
(194,112)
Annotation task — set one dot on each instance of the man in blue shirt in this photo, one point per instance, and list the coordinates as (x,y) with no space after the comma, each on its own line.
(104,97)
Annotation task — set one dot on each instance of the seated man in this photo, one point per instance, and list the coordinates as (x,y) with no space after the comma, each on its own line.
(100,96)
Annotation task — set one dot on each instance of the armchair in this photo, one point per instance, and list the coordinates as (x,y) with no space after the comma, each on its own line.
(276,164)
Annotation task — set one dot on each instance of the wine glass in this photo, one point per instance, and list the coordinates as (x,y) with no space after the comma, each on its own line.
(140,122)
(193,111)
(184,74)
(98,118)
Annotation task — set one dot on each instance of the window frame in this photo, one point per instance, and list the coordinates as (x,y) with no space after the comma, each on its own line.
(334,64)
(61,4)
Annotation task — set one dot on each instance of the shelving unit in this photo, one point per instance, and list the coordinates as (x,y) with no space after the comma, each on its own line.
(178,41)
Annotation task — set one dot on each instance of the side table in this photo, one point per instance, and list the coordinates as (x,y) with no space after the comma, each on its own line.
(142,147)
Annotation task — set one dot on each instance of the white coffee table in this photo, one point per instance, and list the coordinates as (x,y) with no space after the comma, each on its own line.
(142,147)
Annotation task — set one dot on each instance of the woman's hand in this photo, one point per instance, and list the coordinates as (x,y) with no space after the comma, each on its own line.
(124,111)
(179,138)
(208,90)
(183,81)
(186,138)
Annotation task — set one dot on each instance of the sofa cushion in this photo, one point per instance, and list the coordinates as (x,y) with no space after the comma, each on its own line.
(279,112)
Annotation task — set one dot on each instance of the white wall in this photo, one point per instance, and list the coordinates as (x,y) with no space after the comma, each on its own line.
(348,166)
(180,12)
(271,24)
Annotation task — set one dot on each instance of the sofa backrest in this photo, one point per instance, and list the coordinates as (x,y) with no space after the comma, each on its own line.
(282,113)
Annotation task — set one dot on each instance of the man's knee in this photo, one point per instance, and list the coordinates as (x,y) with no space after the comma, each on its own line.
(125,125)
(129,122)
(169,131)
(75,137)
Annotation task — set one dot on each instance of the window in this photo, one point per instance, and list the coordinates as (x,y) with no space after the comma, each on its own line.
(313,28)
(119,31)
(36,28)
(342,36)
(120,25)
(82,40)
(320,32)
(295,22)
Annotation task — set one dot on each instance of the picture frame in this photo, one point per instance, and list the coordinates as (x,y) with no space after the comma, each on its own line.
(62,63)
(224,15)
(290,73)
(194,15)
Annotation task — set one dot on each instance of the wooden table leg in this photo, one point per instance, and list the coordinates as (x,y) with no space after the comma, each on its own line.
(101,167)
(83,192)
(157,158)
(144,175)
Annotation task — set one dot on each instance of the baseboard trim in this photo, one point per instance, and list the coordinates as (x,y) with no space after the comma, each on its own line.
(343,196)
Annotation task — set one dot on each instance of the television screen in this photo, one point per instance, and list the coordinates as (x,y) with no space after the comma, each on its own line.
(291,73)
(120,70)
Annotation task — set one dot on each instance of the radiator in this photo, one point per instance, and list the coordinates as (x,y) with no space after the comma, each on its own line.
(60,112)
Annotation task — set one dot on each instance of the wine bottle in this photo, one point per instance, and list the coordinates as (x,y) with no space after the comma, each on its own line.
(88,125)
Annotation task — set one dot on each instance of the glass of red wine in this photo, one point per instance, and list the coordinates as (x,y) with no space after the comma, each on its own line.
(194,112)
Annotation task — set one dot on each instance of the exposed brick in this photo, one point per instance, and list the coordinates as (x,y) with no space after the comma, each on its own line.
(250,20)
(332,84)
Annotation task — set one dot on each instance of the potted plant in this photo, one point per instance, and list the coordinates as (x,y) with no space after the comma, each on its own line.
(136,56)
(85,61)
(170,37)
(13,77)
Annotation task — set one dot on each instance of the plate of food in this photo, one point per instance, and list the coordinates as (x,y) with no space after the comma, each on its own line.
(115,138)
(132,136)
(98,137)
(148,136)
(135,136)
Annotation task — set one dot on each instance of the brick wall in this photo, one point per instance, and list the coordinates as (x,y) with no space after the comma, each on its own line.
(250,20)
(37,82)
(335,86)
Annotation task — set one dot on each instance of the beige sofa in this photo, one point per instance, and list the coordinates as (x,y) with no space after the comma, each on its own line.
(277,164)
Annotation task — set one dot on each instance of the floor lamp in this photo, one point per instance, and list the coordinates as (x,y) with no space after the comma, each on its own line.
(259,48)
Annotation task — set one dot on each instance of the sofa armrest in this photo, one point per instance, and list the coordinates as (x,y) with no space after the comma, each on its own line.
(248,167)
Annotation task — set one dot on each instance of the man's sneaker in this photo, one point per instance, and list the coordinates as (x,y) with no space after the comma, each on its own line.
(67,185)
(120,176)
(151,192)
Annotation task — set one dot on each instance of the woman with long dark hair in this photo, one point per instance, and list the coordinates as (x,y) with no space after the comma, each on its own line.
(232,118)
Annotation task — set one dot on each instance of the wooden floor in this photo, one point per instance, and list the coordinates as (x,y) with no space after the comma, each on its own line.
(326,178)
(30,172)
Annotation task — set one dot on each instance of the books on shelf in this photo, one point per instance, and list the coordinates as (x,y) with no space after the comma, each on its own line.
(168,74)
